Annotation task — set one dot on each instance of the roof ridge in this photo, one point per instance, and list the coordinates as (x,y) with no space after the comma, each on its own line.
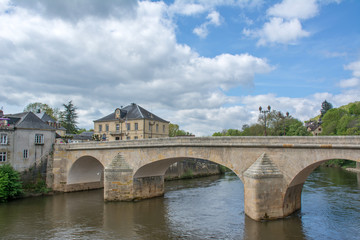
(138,107)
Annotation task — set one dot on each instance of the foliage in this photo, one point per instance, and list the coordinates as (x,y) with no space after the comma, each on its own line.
(81,130)
(325,106)
(187,174)
(277,124)
(38,187)
(342,121)
(69,118)
(43,107)
(175,131)
(340,163)
(10,184)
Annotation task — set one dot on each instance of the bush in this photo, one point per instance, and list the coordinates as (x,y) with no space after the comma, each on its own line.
(10,184)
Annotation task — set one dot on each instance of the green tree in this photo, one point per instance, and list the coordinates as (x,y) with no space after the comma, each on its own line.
(69,118)
(296,128)
(175,131)
(325,106)
(43,107)
(10,184)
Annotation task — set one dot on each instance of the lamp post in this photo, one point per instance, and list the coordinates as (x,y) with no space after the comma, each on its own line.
(265,112)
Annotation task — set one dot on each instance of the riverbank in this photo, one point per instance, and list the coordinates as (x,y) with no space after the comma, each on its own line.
(355,170)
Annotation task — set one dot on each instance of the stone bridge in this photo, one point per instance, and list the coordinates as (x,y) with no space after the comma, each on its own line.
(273,169)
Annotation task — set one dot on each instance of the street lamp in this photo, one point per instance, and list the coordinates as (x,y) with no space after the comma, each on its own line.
(265,112)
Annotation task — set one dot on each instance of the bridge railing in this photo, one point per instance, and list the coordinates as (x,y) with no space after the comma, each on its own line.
(276,142)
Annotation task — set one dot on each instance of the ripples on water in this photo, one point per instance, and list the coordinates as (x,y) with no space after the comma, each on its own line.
(208,208)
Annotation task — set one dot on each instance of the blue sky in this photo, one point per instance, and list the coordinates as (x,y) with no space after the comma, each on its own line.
(205,65)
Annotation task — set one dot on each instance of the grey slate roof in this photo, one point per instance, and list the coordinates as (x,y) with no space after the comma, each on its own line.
(132,112)
(45,117)
(28,120)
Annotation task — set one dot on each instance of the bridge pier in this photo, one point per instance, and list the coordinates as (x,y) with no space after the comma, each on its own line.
(148,187)
(120,184)
(263,190)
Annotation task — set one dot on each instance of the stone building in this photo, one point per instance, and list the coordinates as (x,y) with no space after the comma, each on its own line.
(25,140)
(130,123)
(314,127)
(60,130)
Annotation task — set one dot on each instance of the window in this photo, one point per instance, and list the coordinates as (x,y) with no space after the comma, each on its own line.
(157,127)
(117,127)
(107,127)
(39,139)
(26,153)
(104,137)
(3,156)
(117,138)
(128,126)
(127,138)
(136,126)
(150,126)
(136,137)
(163,128)
(3,139)
(100,127)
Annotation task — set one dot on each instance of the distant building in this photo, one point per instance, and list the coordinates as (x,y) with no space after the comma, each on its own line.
(314,127)
(25,140)
(129,123)
(78,138)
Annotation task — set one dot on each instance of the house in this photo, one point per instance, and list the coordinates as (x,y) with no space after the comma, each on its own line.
(60,130)
(129,123)
(25,140)
(314,127)
(82,137)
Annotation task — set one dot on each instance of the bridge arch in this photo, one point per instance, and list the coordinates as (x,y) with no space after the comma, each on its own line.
(292,197)
(86,172)
(159,167)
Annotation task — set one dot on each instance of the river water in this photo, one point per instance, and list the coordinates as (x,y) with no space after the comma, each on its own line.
(207,208)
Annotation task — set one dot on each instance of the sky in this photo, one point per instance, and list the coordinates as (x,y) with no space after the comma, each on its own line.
(206,65)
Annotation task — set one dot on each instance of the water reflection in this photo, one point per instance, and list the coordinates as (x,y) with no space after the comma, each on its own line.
(288,228)
(209,208)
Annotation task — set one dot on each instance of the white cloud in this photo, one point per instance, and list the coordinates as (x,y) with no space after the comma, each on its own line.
(290,9)
(213,19)
(102,62)
(278,31)
(284,24)
(353,82)
(355,67)
(350,83)
(194,7)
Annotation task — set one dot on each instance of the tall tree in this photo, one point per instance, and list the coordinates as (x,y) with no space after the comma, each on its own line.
(43,107)
(174,131)
(325,106)
(69,117)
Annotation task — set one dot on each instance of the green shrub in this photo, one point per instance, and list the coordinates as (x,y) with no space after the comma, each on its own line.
(10,184)
(188,174)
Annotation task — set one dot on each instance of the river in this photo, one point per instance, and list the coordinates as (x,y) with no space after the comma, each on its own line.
(206,208)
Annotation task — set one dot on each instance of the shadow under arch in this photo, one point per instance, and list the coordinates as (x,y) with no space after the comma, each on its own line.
(292,197)
(86,173)
(148,180)
(159,167)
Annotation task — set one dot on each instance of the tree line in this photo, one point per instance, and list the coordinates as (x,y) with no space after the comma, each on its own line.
(67,117)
